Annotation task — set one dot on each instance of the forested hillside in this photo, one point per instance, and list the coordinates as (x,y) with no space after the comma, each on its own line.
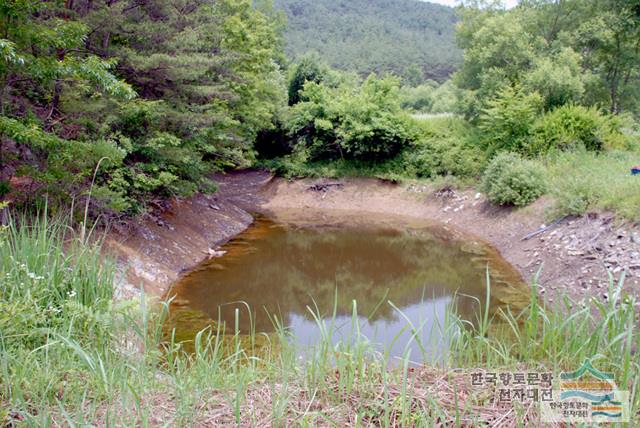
(409,37)
(155,93)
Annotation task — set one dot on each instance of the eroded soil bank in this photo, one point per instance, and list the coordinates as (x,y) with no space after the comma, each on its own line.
(574,255)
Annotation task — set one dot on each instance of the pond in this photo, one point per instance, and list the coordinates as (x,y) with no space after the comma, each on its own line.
(298,272)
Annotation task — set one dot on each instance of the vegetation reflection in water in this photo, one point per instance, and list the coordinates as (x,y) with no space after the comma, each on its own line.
(298,277)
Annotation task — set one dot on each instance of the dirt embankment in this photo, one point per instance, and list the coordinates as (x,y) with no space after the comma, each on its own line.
(574,255)
(154,252)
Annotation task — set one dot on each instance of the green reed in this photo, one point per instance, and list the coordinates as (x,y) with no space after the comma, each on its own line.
(71,356)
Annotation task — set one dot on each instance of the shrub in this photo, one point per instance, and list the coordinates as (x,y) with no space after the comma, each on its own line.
(574,126)
(309,69)
(351,121)
(419,98)
(507,122)
(52,282)
(511,180)
(429,97)
(446,146)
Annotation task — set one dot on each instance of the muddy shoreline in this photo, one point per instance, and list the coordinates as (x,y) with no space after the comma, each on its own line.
(572,256)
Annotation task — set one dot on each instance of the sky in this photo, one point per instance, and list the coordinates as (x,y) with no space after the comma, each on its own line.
(508,3)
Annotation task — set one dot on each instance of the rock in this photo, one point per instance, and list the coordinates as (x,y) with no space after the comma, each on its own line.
(215,253)
(214,207)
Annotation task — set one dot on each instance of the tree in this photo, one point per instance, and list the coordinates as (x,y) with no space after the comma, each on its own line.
(610,40)
(568,51)
(43,58)
(207,74)
(374,36)
(308,69)
(351,121)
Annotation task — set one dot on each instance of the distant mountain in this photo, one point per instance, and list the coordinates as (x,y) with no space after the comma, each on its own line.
(402,36)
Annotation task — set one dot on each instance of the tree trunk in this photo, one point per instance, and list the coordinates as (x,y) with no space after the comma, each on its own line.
(55,101)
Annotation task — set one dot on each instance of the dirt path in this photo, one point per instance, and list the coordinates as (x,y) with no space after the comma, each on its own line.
(573,256)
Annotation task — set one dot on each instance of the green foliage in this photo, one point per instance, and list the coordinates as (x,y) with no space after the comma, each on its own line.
(308,69)
(446,146)
(413,75)
(418,98)
(506,123)
(497,51)
(51,283)
(511,180)
(571,127)
(429,97)
(582,182)
(5,188)
(574,51)
(206,74)
(351,121)
(559,79)
(411,39)
(444,98)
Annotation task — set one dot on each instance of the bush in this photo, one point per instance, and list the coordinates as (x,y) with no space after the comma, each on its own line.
(429,97)
(574,126)
(52,282)
(351,121)
(5,187)
(309,69)
(507,122)
(511,180)
(446,146)
(419,98)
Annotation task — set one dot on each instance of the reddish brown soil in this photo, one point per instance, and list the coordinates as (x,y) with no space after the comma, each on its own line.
(574,256)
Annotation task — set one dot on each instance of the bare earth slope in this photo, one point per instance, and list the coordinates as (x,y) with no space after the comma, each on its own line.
(575,255)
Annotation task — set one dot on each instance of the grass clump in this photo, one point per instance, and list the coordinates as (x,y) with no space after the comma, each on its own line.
(512,180)
(55,295)
(94,362)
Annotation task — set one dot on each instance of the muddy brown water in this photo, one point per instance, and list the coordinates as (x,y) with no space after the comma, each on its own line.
(294,271)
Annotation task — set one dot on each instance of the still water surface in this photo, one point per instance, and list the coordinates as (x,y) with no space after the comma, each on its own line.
(288,272)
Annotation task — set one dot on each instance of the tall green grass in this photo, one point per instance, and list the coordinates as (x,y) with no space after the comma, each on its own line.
(70,356)
(587,181)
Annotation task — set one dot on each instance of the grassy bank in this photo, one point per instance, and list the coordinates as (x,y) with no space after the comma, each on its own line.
(71,356)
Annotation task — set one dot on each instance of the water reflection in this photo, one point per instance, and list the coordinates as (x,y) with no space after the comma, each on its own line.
(286,271)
